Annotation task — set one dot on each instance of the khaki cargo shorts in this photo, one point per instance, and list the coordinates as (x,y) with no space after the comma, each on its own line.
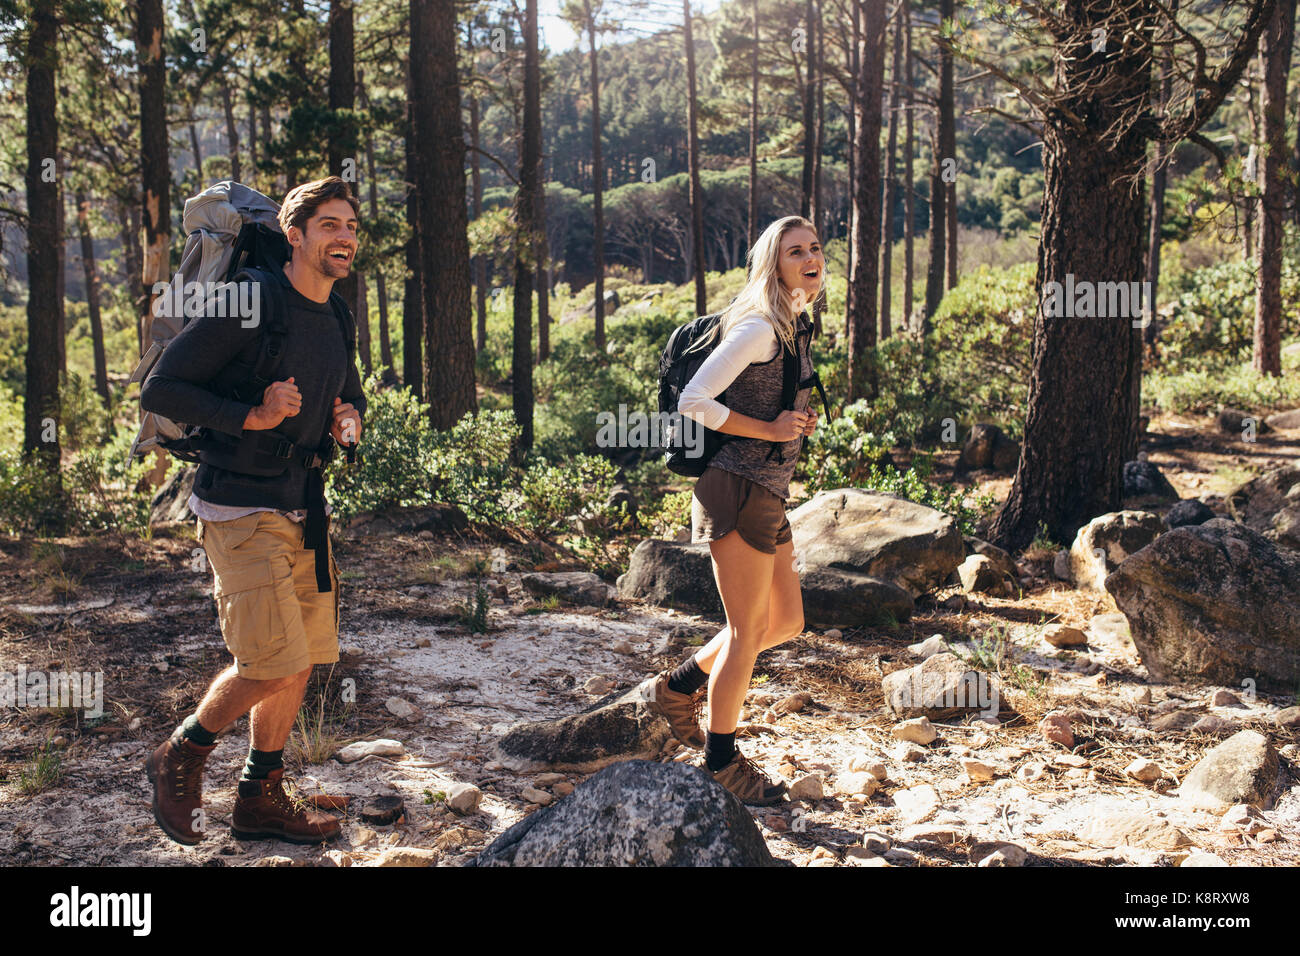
(724,502)
(273,619)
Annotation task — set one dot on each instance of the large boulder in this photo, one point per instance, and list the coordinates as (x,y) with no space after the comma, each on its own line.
(940,687)
(987,446)
(617,727)
(1189,511)
(1286,421)
(1242,769)
(1270,504)
(879,535)
(170,504)
(835,598)
(1107,541)
(576,587)
(636,814)
(412,520)
(672,574)
(1215,602)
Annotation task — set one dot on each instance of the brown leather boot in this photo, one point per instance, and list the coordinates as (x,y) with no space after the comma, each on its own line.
(176,771)
(273,813)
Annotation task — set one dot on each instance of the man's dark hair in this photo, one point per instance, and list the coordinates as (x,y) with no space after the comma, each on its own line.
(303,201)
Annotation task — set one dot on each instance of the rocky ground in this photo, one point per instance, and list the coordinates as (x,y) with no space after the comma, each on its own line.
(870,790)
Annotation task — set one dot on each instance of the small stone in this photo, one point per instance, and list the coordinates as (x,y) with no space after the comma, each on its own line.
(562,789)
(622,647)
(997,855)
(424,642)
(407,856)
(1138,695)
(1268,835)
(916,804)
(909,753)
(1070,760)
(1243,817)
(362,836)
(1224,698)
(1031,772)
(792,704)
(859,782)
(898,854)
(367,748)
(1214,724)
(1056,728)
(1133,828)
(598,685)
(1061,565)
(865,763)
(277,861)
(807,787)
(1062,635)
(134,724)
(833,634)
(1288,718)
(931,833)
(335,858)
(976,771)
(776,823)
(1201,858)
(59,741)
(919,730)
(464,797)
(876,843)
(547,779)
(934,644)
(451,839)
(401,709)
(533,795)
(822,853)
(1147,771)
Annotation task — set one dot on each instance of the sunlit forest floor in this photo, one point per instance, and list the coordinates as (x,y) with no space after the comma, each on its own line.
(73,790)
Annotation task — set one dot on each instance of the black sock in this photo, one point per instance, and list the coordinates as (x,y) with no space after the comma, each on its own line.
(719,749)
(687,677)
(260,763)
(195,733)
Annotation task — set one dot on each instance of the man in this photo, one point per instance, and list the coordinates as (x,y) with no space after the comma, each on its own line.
(265,534)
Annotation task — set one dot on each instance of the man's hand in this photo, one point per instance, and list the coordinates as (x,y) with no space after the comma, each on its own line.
(811,422)
(280,400)
(347,423)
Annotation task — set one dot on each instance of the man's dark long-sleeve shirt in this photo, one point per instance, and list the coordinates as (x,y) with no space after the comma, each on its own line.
(180,387)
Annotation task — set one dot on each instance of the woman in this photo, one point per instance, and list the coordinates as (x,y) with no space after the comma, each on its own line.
(739,500)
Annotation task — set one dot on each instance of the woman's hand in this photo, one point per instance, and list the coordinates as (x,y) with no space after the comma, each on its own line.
(812,422)
(789,425)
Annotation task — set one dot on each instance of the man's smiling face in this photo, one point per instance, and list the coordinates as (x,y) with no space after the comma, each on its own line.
(328,240)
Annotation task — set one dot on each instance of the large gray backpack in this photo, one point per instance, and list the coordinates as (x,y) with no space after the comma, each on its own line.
(228,227)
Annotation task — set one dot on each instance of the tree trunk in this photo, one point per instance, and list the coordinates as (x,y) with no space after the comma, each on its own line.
(753,134)
(91,274)
(343,139)
(809,113)
(197,150)
(443,220)
(526,239)
(891,180)
(1275,50)
(363,324)
(232,132)
(693,149)
(597,186)
(818,207)
(948,144)
(850,306)
(412,297)
(862,379)
(381,283)
(44,243)
(909,179)
(479,262)
(154,167)
(543,269)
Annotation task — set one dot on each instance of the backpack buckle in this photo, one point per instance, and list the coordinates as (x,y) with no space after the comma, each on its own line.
(284,449)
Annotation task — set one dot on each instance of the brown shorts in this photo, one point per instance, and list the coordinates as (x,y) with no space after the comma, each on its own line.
(273,619)
(724,502)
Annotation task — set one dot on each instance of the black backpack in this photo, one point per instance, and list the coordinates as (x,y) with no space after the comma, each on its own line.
(677,367)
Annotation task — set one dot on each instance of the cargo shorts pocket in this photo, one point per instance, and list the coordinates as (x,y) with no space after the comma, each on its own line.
(226,536)
(248,607)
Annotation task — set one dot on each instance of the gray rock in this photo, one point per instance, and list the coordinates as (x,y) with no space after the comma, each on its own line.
(1214,602)
(464,797)
(616,727)
(1133,828)
(1270,504)
(1242,769)
(1287,421)
(832,596)
(1107,541)
(978,573)
(414,520)
(1144,480)
(1061,565)
(170,504)
(673,575)
(636,813)
(576,587)
(1288,718)
(1188,512)
(987,446)
(1000,558)
(879,535)
(1232,421)
(940,687)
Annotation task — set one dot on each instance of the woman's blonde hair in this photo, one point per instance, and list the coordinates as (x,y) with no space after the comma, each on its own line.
(764,294)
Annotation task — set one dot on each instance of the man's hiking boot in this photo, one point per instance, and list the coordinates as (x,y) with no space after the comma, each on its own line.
(682,711)
(273,813)
(176,771)
(747,781)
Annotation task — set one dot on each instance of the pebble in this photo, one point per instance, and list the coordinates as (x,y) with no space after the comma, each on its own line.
(464,797)
(1031,772)
(916,803)
(859,782)
(1056,728)
(1201,858)
(533,795)
(366,748)
(1147,771)
(406,856)
(918,731)
(875,842)
(336,858)
(833,634)
(401,709)
(1224,698)
(807,787)
(362,836)
(934,644)
(451,839)
(909,753)
(1062,635)
(931,833)
(562,789)
(277,861)
(865,763)
(598,685)
(1214,724)
(1069,760)
(976,770)
(622,647)
(1005,854)
(548,779)
(1243,817)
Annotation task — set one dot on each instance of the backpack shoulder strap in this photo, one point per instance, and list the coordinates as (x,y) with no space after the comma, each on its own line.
(347,323)
(274,331)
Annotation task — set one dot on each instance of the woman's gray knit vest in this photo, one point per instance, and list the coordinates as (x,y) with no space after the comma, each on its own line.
(756,392)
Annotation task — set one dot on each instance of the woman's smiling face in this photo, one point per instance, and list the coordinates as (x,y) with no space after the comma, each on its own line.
(801,264)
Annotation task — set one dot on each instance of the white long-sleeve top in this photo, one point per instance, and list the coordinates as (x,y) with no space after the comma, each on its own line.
(750,340)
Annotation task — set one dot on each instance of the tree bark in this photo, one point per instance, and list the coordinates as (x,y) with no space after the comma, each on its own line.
(1156,211)
(891,180)
(948,143)
(909,179)
(818,207)
(197,150)
(862,378)
(1275,50)
(44,243)
(91,274)
(526,244)
(154,166)
(597,185)
(443,220)
(809,113)
(381,283)
(232,132)
(412,296)
(343,139)
(693,149)
(850,306)
(753,134)
(479,262)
